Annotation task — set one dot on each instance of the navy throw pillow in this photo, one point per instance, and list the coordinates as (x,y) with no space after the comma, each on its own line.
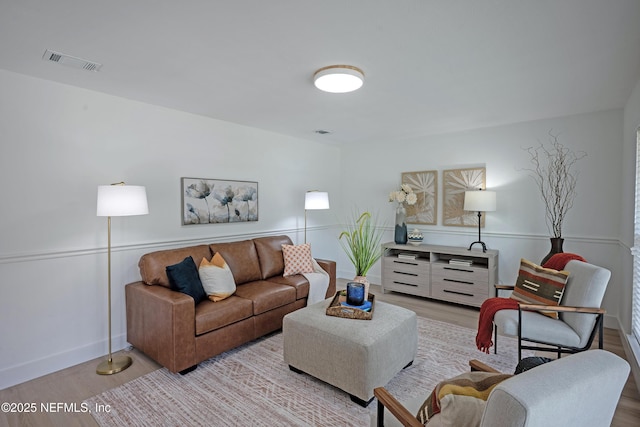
(184,277)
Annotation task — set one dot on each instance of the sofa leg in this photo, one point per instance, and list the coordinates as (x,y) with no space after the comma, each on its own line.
(296,370)
(186,371)
(361,402)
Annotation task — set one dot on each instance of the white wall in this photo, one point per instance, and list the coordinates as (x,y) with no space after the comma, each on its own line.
(517,228)
(57,144)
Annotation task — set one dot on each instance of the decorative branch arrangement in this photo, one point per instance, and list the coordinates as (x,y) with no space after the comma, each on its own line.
(554,174)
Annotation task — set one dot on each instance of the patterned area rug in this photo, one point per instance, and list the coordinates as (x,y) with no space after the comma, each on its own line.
(252,386)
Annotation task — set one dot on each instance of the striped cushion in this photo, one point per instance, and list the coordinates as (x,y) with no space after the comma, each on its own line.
(539,285)
(460,401)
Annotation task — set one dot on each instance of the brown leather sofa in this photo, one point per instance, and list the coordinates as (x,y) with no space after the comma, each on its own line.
(169,328)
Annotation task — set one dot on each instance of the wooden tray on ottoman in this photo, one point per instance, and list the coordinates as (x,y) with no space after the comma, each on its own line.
(338,310)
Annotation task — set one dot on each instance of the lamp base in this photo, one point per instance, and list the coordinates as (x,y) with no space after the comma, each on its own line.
(113,366)
(484,247)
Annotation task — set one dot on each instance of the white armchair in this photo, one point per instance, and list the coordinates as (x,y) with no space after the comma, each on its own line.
(580,315)
(579,390)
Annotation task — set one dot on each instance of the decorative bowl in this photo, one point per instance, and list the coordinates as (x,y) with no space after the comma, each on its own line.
(415,237)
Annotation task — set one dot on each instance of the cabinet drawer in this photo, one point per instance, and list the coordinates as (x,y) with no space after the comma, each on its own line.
(418,266)
(459,293)
(405,283)
(466,275)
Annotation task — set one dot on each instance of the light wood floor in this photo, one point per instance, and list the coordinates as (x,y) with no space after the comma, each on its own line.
(73,385)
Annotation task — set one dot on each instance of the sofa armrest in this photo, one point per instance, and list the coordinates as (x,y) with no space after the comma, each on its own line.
(399,412)
(161,323)
(562,308)
(330,267)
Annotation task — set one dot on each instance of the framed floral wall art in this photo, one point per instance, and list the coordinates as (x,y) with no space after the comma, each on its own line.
(425,185)
(214,201)
(455,182)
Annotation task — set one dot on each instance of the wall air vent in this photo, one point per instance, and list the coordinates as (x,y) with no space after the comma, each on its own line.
(71,61)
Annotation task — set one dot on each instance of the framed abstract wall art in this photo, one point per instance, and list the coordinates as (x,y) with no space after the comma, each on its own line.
(215,201)
(455,182)
(425,185)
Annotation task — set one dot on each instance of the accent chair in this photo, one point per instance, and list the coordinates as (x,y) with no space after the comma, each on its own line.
(580,315)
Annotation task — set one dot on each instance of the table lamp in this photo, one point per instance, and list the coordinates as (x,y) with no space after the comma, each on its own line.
(480,201)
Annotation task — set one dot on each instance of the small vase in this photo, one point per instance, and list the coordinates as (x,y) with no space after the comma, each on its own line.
(365,282)
(556,248)
(401,226)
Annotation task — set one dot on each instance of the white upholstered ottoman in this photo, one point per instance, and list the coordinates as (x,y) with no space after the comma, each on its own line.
(354,355)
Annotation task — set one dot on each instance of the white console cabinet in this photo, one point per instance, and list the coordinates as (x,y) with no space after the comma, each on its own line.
(445,273)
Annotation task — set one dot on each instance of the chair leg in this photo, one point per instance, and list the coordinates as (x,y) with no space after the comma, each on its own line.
(380,415)
(495,339)
(600,332)
(519,334)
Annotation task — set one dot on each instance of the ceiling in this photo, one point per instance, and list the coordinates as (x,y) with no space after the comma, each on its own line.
(431,66)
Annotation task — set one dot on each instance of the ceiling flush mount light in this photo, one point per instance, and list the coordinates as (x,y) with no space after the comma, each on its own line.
(339,78)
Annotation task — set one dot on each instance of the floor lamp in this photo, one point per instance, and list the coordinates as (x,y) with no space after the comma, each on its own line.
(480,201)
(314,200)
(118,200)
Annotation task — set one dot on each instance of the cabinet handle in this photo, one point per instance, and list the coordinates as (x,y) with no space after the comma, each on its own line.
(458,269)
(457,281)
(457,293)
(405,262)
(405,273)
(405,284)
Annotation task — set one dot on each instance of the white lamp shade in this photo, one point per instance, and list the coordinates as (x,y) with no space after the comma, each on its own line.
(339,78)
(122,200)
(315,200)
(480,201)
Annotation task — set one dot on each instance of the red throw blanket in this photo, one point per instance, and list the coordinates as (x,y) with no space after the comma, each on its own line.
(485,322)
(559,261)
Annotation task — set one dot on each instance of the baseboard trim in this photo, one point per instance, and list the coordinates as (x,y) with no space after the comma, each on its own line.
(632,352)
(18,374)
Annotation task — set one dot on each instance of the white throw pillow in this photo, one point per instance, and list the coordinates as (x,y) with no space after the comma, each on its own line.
(216,277)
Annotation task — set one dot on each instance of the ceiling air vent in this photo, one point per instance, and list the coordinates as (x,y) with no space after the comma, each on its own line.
(71,61)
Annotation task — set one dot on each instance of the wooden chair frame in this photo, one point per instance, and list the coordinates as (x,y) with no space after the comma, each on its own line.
(402,414)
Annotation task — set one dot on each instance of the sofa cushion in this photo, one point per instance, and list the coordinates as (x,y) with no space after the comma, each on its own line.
(270,254)
(216,278)
(266,295)
(183,277)
(242,259)
(539,285)
(153,265)
(297,259)
(298,281)
(211,316)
